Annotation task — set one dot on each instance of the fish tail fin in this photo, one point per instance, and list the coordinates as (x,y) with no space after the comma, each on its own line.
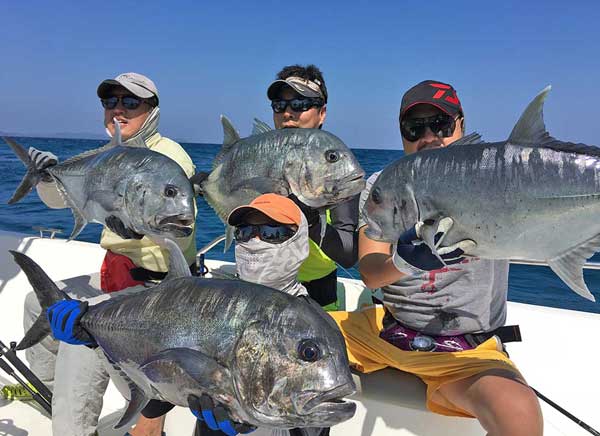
(228,237)
(197,181)
(47,294)
(32,176)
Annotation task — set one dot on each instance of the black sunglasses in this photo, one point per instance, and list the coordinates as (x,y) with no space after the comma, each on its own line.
(441,125)
(297,104)
(274,234)
(128,102)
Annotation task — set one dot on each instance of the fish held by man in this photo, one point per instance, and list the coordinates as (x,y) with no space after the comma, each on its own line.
(273,360)
(314,165)
(530,197)
(132,190)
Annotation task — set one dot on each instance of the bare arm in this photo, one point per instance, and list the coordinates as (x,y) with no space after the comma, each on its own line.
(375,262)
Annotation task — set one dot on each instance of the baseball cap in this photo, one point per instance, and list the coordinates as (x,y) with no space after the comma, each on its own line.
(277,207)
(438,94)
(304,87)
(138,84)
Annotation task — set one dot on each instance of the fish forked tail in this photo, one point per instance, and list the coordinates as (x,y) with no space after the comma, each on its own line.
(47,294)
(197,180)
(32,176)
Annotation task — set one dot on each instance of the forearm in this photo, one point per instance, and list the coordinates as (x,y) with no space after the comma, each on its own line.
(378,270)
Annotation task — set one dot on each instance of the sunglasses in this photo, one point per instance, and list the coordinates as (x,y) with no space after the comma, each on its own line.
(441,125)
(296,104)
(128,102)
(274,234)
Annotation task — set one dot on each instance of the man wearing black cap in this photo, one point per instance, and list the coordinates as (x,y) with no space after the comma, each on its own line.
(299,100)
(464,300)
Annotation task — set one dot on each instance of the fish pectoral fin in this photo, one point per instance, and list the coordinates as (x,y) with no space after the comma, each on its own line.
(136,403)
(569,266)
(203,371)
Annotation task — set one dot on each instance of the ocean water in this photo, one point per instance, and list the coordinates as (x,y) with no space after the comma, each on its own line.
(527,284)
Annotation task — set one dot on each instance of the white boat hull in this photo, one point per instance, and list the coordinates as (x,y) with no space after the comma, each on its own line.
(558,356)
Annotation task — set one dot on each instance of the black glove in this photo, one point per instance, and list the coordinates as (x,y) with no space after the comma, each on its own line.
(312,215)
(216,417)
(117,226)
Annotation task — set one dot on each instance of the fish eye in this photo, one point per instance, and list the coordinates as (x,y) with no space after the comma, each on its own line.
(309,351)
(170,191)
(332,156)
(376,196)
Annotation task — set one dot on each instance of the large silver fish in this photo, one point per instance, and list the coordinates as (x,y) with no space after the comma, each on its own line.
(142,190)
(273,360)
(530,197)
(314,165)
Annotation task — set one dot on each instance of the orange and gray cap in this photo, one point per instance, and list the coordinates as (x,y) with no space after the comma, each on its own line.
(277,207)
(438,94)
(138,84)
(304,87)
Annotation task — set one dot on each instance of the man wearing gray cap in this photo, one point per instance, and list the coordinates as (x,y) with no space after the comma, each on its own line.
(80,373)
(299,100)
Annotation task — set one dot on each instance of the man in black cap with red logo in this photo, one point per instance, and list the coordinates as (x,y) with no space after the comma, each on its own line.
(437,305)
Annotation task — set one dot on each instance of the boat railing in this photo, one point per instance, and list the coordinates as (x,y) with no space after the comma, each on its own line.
(201,258)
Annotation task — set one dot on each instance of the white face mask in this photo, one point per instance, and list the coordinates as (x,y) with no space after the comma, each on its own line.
(274,265)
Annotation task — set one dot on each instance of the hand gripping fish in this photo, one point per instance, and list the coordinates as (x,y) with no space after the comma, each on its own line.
(143,191)
(531,197)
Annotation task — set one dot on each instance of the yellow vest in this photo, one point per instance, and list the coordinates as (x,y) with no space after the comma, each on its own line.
(143,252)
(317,265)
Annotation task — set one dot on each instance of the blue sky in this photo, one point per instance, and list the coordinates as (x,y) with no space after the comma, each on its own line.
(212,58)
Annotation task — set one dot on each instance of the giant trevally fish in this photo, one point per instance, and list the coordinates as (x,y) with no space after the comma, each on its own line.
(314,165)
(144,191)
(273,360)
(531,197)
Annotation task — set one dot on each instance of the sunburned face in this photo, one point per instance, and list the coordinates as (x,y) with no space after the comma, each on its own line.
(130,120)
(429,138)
(311,119)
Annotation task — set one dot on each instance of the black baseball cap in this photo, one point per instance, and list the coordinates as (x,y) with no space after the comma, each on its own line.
(438,94)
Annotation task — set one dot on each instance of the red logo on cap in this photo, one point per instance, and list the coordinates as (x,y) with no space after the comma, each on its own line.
(453,99)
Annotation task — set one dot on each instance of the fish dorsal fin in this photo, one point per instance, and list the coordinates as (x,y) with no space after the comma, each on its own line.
(178,266)
(115,141)
(470,139)
(230,134)
(569,266)
(530,129)
(259,127)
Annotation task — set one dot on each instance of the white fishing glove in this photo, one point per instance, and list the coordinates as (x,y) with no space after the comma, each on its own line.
(412,254)
(42,159)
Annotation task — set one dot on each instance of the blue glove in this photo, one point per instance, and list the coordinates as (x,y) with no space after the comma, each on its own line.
(410,251)
(216,417)
(64,318)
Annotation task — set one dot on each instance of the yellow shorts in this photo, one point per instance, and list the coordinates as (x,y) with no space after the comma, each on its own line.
(367,352)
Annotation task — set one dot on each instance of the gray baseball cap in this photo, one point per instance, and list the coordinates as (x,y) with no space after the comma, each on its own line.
(304,87)
(138,84)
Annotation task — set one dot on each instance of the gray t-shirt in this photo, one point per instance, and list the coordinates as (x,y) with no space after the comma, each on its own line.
(468,297)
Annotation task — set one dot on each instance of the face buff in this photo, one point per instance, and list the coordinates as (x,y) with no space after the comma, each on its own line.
(274,265)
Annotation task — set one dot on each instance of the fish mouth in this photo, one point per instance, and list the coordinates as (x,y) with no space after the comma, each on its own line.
(179,225)
(350,186)
(374,231)
(330,403)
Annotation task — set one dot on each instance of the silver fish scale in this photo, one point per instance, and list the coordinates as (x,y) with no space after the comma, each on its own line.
(246,337)
(507,197)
